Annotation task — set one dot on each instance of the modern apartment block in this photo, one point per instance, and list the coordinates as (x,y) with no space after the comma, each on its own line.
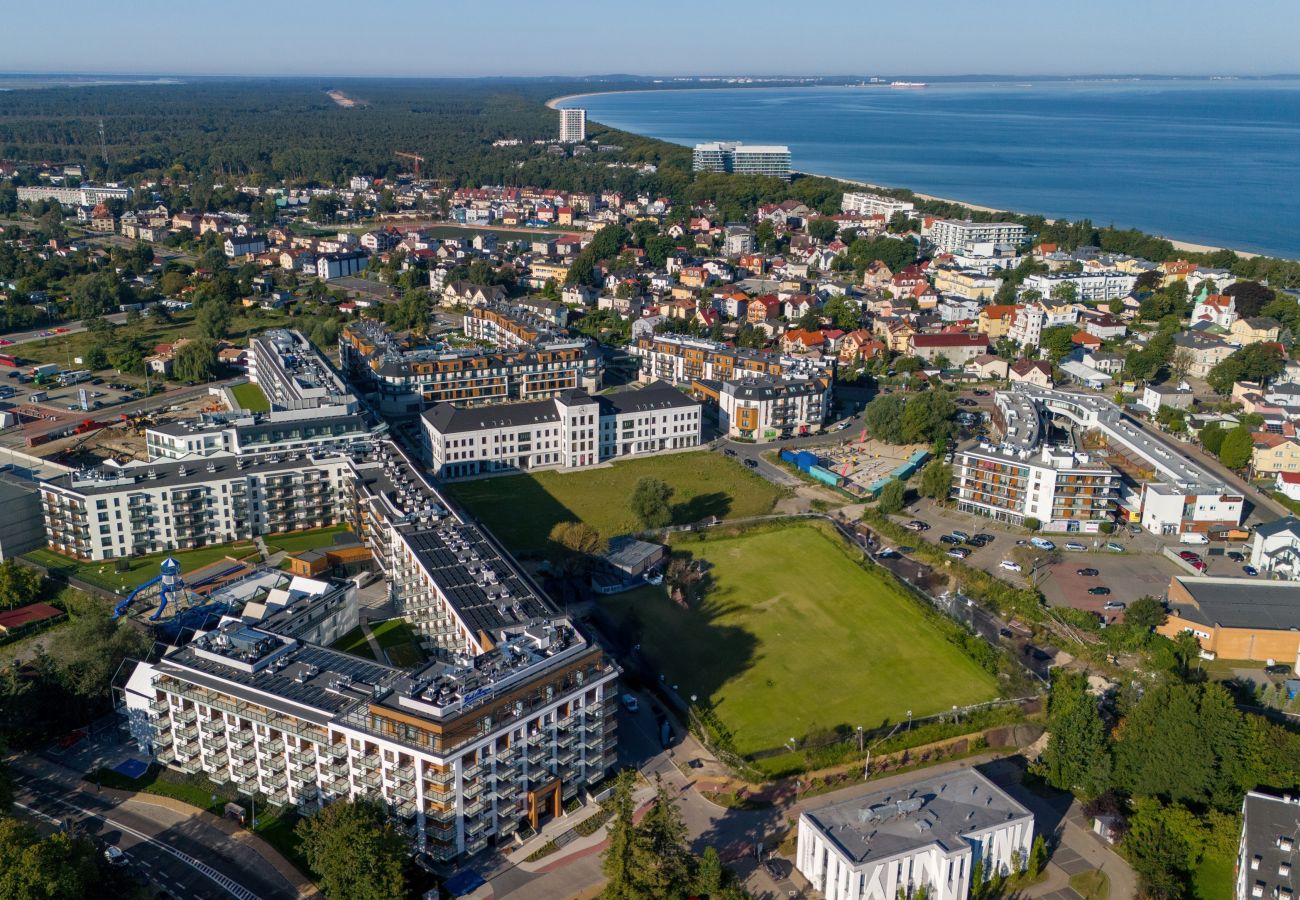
(402,377)
(573,126)
(742,159)
(508,325)
(1062,489)
(82,195)
(294,374)
(769,409)
(864,204)
(1089,286)
(571,430)
(283,431)
(924,836)
(682,360)
(1268,855)
(954,235)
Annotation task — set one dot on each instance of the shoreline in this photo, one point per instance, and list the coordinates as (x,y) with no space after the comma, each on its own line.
(1182,246)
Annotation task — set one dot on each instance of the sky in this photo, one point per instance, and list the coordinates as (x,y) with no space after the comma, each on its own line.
(669,37)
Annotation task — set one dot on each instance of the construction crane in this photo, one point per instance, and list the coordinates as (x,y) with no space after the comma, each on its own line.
(417,159)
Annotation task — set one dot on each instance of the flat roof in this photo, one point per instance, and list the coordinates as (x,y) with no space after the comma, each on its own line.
(1267,819)
(941,810)
(1241,603)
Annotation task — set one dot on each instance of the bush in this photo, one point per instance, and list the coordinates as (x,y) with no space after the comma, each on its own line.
(1033,524)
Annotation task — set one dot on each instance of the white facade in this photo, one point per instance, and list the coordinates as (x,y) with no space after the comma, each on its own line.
(882,847)
(954,235)
(1089,286)
(83,195)
(1027,326)
(742,159)
(1275,547)
(573,126)
(769,409)
(339,265)
(865,204)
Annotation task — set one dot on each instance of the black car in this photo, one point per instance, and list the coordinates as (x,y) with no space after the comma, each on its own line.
(729,451)
(1279,669)
(965,401)
(1099,591)
(976,541)
(1004,632)
(949,539)
(1235,556)
(1087,573)
(774,869)
(752,463)
(980,392)
(986,538)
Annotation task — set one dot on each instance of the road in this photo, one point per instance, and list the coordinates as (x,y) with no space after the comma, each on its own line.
(175,851)
(40,334)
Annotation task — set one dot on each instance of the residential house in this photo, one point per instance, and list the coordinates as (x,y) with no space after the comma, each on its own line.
(1154,396)
(1207,351)
(995,321)
(1273,453)
(244,245)
(966,283)
(1215,309)
(987,367)
(797,340)
(1037,372)
(859,346)
(1255,330)
(1275,547)
(957,349)
(1104,326)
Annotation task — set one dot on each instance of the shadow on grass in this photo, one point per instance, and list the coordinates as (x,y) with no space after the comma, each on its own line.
(703,506)
(516,509)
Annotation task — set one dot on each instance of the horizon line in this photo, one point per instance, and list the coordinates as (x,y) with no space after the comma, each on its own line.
(650,77)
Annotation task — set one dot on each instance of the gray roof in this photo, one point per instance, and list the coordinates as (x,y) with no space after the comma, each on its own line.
(1266,820)
(942,810)
(448,418)
(1241,603)
(657,395)
(1277,526)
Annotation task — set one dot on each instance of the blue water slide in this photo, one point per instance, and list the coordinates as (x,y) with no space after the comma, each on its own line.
(121,608)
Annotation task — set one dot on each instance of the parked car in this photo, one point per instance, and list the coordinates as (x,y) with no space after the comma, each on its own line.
(1099,591)
(1010,566)
(1198,565)
(959,534)
(1235,556)
(1188,556)
(976,540)
(1004,632)
(1278,669)
(1114,547)
(1135,530)
(980,392)
(959,553)
(986,538)
(1075,547)
(918,525)
(630,703)
(1250,570)
(949,539)
(1114,605)
(115,856)
(728,451)
(1042,543)
(752,463)
(1088,573)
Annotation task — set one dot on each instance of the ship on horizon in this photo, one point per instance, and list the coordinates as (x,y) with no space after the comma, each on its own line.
(908,84)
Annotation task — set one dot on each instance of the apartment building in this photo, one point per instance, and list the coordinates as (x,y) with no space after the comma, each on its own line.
(1090,287)
(573,126)
(966,283)
(294,374)
(402,377)
(1063,490)
(571,430)
(281,431)
(1268,854)
(865,204)
(954,235)
(82,195)
(682,360)
(507,325)
(923,836)
(742,159)
(767,409)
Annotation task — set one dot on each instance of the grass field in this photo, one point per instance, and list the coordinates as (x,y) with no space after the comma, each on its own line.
(794,635)
(251,397)
(142,568)
(298,541)
(1213,876)
(521,509)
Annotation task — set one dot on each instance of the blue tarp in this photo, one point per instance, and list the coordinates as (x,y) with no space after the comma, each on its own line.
(131,768)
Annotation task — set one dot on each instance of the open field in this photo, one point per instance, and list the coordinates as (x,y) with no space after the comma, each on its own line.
(250,397)
(795,635)
(521,509)
(141,568)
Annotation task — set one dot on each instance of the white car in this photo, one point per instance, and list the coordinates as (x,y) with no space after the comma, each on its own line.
(1075,547)
(1010,566)
(114,856)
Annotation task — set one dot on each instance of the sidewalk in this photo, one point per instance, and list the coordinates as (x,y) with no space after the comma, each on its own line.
(579,846)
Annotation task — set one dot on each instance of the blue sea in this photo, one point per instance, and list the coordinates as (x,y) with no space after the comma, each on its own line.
(1210,162)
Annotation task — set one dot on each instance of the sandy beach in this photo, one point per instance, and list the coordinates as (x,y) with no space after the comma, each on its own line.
(1185,246)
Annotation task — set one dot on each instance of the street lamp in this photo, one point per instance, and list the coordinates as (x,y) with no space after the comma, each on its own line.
(909,720)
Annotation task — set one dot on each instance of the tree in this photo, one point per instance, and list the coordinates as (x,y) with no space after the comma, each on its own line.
(573,547)
(89,650)
(1180,363)
(1058,341)
(823,229)
(709,873)
(665,836)
(625,855)
(927,419)
(1145,613)
(1253,362)
(57,867)
(212,319)
(1211,437)
(355,851)
(1158,855)
(884,418)
(1237,448)
(1065,290)
(936,480)
(650,503)
(893,497)
(195,361)
(1249,297)
(1077,757)
(18,584)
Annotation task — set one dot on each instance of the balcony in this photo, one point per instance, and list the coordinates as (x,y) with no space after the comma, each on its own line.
(246,771)
(275,746)
(159,707)
(245,752)
(339,768)
(278,781)
(404,773)
(189,733)
(369,779)
(473,809)
(304,757)
(184,716)
(215,743)
(213,726)
(338,786)
(241,736)
(405,791)
(162,739)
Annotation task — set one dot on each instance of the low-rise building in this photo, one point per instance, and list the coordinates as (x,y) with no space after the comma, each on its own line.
(1268,854)
(1237,618)
(1255,330)
(957,349)
(1275,547)
(767,409)
(570,430)
(927,835)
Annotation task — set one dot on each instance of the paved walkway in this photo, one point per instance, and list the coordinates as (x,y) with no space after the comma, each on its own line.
(375,649)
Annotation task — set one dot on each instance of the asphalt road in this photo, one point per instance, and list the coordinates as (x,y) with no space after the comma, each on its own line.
(173,851)
(40,334)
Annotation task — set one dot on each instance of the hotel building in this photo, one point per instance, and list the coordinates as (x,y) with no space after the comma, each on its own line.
(925,836)
(573,126)
(682,360)
(955,235)
(572,430)
(736,158)
(768,409)
(864,204)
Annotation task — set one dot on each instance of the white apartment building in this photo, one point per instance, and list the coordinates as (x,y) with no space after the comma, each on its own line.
(928,836)
(679,359)
(82,195)
(862,203)
(955,235)
(1064,490)
(742,159)
(571,430)
(766,409)
(340,265)
(1030,320)
(573,126)
(294,374)
(1090,287)
(284,431)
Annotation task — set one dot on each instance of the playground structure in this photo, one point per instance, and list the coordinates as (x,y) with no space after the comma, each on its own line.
(170,585)
(865,465)
(183,603)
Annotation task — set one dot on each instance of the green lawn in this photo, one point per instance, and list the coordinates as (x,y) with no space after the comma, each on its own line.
(1213,877)
(250,397)
(395,636)
(298,541)
(142,568)
(521,509)
(795,635)
(354,642)
(1092,885)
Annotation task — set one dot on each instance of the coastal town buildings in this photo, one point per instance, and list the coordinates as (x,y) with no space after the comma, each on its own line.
(955,235)
(742,159)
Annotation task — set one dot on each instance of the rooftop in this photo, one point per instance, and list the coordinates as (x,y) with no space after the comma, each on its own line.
(942,810)
(1241,603)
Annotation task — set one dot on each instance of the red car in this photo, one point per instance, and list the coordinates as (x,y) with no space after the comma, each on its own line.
(5,342)
(1188,556)
(1197,565)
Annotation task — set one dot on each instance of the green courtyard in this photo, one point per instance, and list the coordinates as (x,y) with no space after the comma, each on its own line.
(521,509)
(250,397)
(794,635)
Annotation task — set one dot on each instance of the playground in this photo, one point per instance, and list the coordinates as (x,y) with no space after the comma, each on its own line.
(861,465)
